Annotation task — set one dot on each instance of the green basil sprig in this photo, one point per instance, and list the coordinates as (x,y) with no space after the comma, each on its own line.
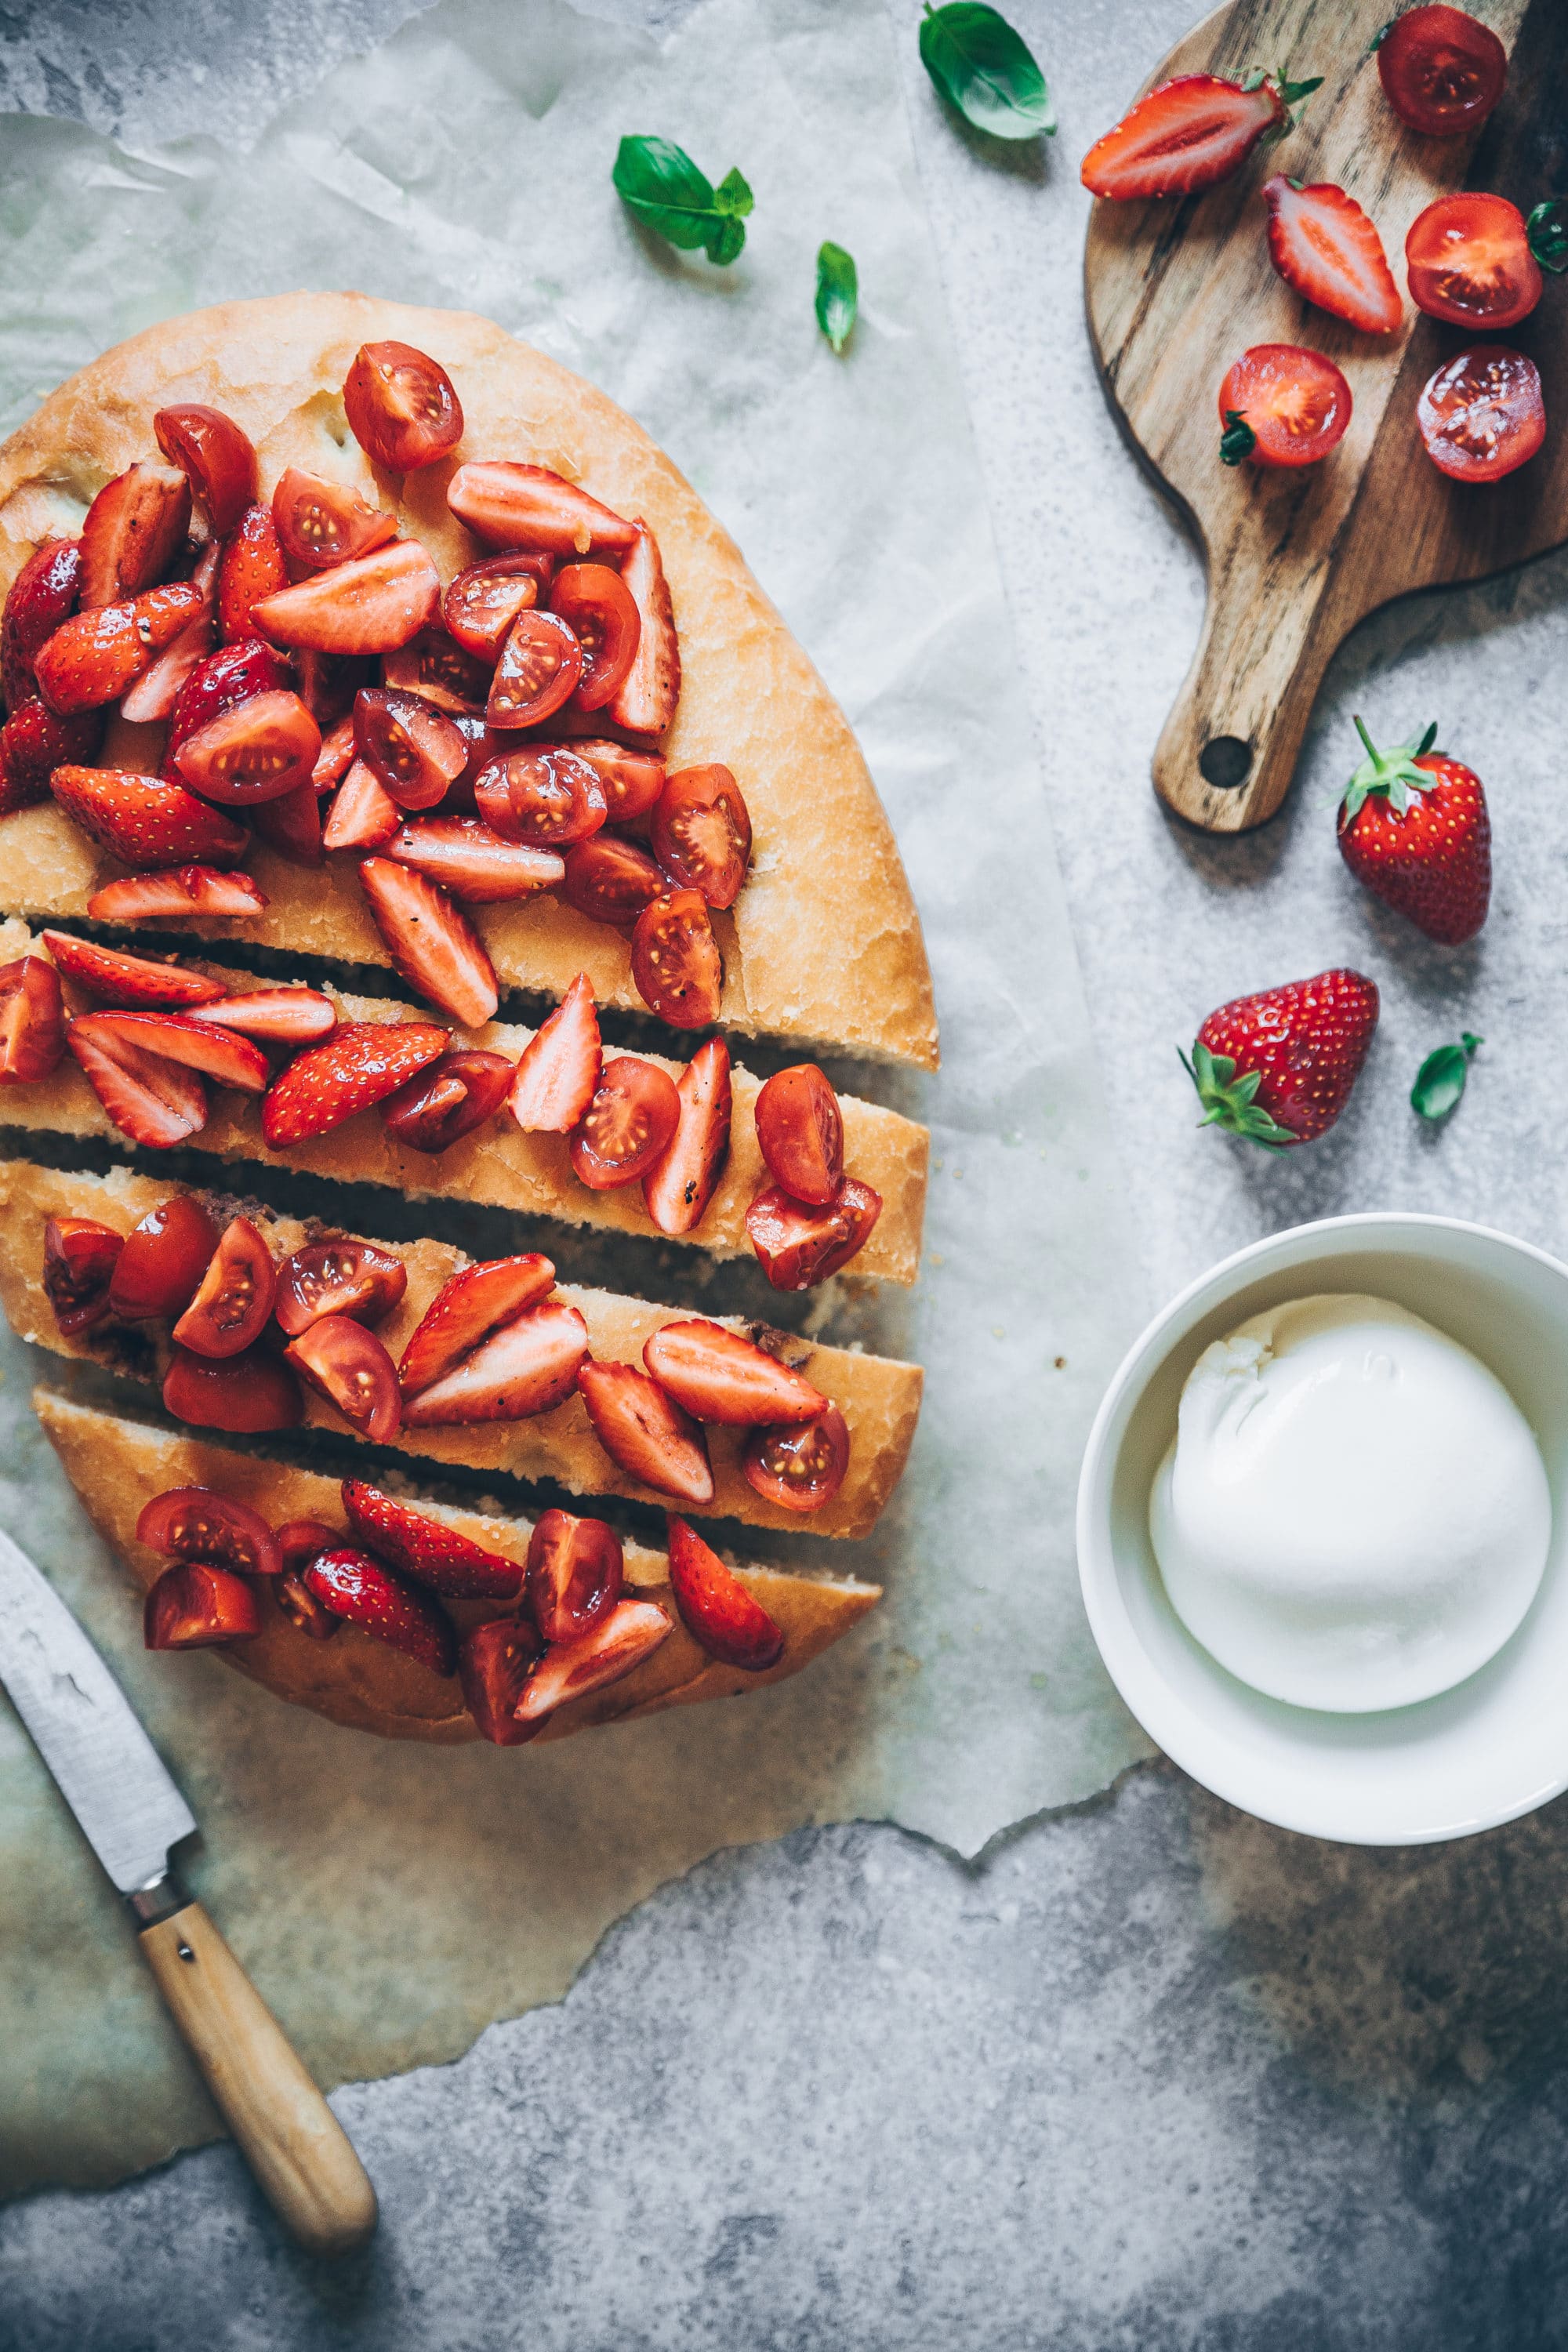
(1440,1080)
(838,293)
(983,69)
(661,186)
(1547,230)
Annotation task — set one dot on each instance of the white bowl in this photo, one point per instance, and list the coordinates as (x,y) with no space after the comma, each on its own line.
(1495,1746)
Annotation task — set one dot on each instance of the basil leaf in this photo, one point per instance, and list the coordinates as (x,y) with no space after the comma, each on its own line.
(837,294)
(661,186)
(1440,1080)
(1547,232)
(982,66)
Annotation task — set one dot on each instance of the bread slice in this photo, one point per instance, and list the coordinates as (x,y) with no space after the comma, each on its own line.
(825,943)
(498,1165)
(117,1465)
(879,1398)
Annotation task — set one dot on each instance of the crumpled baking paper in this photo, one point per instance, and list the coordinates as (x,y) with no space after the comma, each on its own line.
(392,1900)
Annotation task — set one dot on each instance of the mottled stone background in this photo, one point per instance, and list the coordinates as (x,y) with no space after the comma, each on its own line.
(1149,2077)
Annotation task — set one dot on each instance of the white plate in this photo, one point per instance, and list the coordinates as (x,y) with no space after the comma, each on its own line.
(1495,1746)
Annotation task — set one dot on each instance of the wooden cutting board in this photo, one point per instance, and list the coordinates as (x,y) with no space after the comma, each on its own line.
(1178,288)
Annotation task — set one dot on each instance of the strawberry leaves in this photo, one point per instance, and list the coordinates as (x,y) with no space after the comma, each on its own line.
(1547,233)
(662,187)
(1238,440)
(1227,1100)
(1393,772)
(1293,97)
(1440,1080)
(985,71)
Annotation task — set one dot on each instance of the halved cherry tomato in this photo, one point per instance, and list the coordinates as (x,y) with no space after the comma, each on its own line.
(1469,262)
(337,1277)
(800,1466)
(675,963)
(448,1099)
(797,1246)
(257,752)
(235,1297)
(610,879)
(290,823)
(246,1394)
(193,1606)
(800,1129)
(78,1265)
(299,1541)
(215,455)
(435,666)
(199,1523)
(234,674)
(353,1371)
(574,1573)
(297,1601)
(599,609)
(328,683)
(163,1260)
(252,568)
(1294,402)
(633,780)
(630,1121)
(413,748)
(1441,71)
(320,522)
(481,603)
(543,796)
(401,407)
(701,833)
(132,532)
(538,671)
(1481,416)
(32,1021)
(494,1661)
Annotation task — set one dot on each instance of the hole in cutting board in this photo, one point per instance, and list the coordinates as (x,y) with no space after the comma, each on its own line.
(1225,762)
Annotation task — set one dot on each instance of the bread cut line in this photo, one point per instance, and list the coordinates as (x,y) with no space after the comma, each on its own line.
(118,1465)
(499,1166)
(879,1398)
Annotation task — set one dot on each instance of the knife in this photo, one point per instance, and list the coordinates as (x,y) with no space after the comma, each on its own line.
(132,1813)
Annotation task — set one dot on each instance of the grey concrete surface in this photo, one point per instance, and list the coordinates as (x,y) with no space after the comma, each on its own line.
(1149,2077)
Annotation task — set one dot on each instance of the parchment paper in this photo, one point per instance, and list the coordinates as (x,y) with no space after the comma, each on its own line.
(392,1900)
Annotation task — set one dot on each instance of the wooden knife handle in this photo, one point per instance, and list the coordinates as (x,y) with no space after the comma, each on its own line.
(299,2151)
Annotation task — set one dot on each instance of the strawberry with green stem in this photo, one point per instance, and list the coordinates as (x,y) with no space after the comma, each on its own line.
(1414,826)
(1277,1068)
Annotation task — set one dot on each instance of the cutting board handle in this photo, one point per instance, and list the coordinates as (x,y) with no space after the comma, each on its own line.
(293,2143)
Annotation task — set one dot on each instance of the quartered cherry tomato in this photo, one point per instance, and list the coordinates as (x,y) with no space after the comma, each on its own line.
(232,1305)
(542,795)
(436,667)
(353,1371)
(216,456)
(401,407)
(633,780)
(701,833)
(575,1572)
(797,1245)
(257,752)
(598,608)
(415,750)
(801,1465)
(610,879)
(246,1393)
(320,522)
(448,1099)
(80,1256)
(800,1129)
(481,603)
(1441,71)
(199,1523)
(676,961)
(1481,416)
(1293,401)
(1469,262)
(537,673)
(164,1259)
(192,1606)
(295,1598)
(337,1277)
(634,1113)
(299,1541)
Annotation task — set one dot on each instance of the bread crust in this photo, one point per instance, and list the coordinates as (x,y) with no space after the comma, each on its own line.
(499,1165)
(825,943)
(879,1398)
(117,1465)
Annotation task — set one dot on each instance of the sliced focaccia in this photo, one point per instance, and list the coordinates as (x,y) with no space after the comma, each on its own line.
(878,1399)
(119,1467)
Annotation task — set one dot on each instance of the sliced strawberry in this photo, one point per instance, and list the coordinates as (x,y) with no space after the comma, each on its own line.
(402,406)
(194,1607)
(247,1393)
(427,1549)
(264,747)
(221,682)
(350,1367)
(291,825)
(94,656)
(133,529)
(382,1604)
(574,1573)
(1188,133)
(221,1055)
(143,820)
(32,1021)
(678,1188)
(416,749)
(466,859)
(632,1632)
(336,757)
(558,1074)
(360,1065)
(277,1016)
(715,1607)
(434,947)
(464,1310)
(719,1376)
(252,568)
(363,815)
(797,1245)
(35,741)
(320,522)
(42,595)
(528,506)
(493,1663)
(448,1099)
(79,1259)
(216,456)
(1323,245)
(370,606)
(645,703)
(645,1432)
(441,671)
(122,979)
(180,892)
(153,1101)
(158,690)
(528,1367)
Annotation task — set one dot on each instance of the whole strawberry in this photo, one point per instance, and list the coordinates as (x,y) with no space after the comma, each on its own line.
(1414,827)
(1277,1067)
